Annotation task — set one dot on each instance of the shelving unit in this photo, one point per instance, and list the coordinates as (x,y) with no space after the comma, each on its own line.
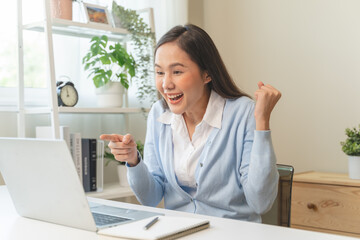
(50,26)
(102,110)
(64,27)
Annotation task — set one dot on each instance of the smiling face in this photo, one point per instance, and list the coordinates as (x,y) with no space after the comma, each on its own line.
(180,81)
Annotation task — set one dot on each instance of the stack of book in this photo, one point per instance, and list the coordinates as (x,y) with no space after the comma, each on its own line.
(87,153)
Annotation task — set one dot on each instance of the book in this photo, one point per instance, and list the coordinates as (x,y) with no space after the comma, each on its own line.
(167,227)
(88,146)
(75,149)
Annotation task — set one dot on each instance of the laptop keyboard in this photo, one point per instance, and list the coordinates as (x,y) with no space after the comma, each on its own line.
(102,219)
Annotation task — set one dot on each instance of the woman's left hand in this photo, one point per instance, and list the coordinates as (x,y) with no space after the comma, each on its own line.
(266,98)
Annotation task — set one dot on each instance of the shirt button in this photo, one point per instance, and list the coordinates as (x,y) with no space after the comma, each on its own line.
(209,143)
(201,164)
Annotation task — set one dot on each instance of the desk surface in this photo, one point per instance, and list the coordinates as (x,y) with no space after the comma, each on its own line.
(14,227)
(326,178)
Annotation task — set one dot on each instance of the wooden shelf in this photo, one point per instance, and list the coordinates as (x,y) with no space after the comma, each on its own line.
(37,110)
(75,110)
(101,110)
(27,110)
(326,178)
(78,29)
(9,109)
(112,191)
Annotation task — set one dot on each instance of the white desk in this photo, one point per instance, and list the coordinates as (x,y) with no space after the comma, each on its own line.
(14,227)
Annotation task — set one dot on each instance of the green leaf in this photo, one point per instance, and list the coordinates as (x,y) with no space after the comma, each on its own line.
(351,146)
(113,58)
(104,38)
(109,73)
(95,39)
(87,66)
(95,49)
(121,61)
(125,83)
(105,60)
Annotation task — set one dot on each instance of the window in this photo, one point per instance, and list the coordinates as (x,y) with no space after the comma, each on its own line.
(34,57)
(8,57)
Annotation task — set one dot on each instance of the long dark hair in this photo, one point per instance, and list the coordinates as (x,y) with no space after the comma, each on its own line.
(202,50)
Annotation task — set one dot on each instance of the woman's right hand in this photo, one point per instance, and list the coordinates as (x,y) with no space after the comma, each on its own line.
(123,147)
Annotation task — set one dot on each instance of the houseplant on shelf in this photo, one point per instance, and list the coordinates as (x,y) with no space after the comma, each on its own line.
(351,146)
(143,41)
(109,66)
(121,168)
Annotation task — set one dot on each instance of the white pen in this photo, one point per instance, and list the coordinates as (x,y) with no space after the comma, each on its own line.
(152,222)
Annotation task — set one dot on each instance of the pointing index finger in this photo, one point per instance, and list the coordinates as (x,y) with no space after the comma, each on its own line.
(111,137)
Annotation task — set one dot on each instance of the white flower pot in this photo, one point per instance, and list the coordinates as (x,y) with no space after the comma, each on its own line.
(122,174)
(354,167)
(110,95)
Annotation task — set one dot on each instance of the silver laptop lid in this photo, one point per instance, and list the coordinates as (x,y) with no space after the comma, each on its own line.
(43,183)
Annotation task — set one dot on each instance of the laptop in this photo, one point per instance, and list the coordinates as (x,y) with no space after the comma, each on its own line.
(43,183)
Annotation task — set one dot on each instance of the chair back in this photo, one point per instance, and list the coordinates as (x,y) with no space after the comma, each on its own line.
(279,214)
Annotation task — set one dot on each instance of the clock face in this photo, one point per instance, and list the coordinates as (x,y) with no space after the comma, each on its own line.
(69,95)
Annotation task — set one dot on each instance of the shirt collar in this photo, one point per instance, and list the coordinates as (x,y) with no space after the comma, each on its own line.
(212,116)
(166,117)
(214,110)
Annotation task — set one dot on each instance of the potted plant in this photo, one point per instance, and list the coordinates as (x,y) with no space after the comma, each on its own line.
(121,168)
(109,66)
(351,146)
(143,41)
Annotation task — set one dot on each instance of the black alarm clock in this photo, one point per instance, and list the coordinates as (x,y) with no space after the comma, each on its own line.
(67,94)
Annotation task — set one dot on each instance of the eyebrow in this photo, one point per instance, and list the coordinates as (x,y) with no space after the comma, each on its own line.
(172,65)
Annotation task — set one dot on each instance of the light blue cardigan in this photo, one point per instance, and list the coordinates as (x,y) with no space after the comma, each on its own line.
(236,173)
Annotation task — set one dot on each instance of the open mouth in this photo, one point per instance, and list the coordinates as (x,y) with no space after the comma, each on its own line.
(175,98)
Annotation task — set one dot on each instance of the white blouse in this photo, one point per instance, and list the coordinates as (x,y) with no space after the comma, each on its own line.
(187,152)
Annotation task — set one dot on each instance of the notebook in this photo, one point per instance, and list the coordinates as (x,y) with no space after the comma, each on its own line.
(167,227)
(43,183)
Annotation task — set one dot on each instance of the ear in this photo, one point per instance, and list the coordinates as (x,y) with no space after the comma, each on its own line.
(206,77)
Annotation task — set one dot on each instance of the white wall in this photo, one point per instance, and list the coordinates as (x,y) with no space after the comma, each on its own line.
(310,50)
(196,12)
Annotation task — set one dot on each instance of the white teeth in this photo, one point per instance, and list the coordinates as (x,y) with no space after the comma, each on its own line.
(174,96)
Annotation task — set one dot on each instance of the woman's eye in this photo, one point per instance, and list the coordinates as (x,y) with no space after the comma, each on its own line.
(177,72)
(159,73)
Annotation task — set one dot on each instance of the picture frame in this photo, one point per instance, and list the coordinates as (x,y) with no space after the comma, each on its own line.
(96,14)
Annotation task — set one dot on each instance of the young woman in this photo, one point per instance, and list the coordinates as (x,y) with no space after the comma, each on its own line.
(208,146)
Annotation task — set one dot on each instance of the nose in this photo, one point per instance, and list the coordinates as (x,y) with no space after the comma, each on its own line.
(167,82)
